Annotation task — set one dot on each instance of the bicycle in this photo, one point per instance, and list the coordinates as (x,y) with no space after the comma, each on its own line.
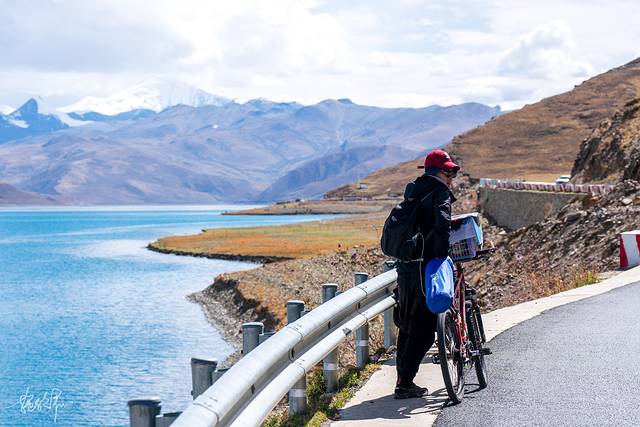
(461,337)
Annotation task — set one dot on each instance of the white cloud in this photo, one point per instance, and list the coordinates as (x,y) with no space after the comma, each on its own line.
(380,52)
(546,51)
(78,36)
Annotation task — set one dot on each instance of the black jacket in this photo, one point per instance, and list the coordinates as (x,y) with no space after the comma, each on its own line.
(434,216)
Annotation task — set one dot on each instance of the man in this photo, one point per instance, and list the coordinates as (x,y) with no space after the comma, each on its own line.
(417,325)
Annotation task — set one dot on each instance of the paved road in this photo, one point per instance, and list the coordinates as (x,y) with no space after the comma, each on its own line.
(574,365)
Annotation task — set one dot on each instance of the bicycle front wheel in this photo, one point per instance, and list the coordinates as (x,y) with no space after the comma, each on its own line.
(449,353)
(475,333)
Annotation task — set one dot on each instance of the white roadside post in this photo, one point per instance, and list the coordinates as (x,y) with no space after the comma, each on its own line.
(201,370)
(362,333)
(143,412)
(330,363)
(389,327)
(629,249)
(297,393)
(251,336)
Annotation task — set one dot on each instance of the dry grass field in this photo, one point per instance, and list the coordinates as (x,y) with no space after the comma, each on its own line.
(300,240)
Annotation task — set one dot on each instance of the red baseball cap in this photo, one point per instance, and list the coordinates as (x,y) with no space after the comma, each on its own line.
(440,159)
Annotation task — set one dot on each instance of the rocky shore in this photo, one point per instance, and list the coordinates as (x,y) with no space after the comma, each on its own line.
(261,294)
(259,259)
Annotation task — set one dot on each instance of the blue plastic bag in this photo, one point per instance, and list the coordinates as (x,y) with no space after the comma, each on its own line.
(439,284)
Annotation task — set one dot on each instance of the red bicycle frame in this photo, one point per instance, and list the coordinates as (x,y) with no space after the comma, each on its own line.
(458,308)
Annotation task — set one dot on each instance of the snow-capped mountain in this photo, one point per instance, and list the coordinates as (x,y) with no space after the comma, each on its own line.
(34,117)
(6,109)
(154,94)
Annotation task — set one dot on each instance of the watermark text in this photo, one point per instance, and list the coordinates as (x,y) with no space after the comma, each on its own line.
(49,401)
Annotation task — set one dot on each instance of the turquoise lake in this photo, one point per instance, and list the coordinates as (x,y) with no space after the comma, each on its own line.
(90,319)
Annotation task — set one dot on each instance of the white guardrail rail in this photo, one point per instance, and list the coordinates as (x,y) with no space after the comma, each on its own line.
(248,391)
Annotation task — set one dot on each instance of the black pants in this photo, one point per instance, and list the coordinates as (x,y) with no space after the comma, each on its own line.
(416,324)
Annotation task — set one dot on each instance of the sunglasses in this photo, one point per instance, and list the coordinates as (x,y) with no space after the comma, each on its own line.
(451,174)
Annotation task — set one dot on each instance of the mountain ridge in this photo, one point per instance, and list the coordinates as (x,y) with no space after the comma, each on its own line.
(34,117)
(231,153)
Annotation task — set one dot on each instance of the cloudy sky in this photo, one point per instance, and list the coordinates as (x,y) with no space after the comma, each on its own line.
(376,52)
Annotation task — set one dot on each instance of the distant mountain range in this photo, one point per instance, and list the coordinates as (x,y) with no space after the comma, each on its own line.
(256,151)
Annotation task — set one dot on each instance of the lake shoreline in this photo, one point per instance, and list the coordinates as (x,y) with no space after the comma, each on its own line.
(258,259)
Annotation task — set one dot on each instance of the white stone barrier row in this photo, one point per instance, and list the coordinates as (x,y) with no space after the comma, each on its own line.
(513,184)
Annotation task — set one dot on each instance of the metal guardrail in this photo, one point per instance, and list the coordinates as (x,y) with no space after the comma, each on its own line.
(250,389)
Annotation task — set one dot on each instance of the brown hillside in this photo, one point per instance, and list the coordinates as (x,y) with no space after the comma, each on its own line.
(387,182)
(541,141)
(538,142)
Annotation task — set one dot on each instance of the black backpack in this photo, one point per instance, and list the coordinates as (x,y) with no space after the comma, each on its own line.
(401,237)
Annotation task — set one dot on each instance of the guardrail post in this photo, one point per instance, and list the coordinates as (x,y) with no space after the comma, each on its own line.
(142,412)
(362,333)
(251,336)
(298,393)
(165,420)
(389,326)
(265,336)
(294,310)
(215,375)
(201,370)
(330,363)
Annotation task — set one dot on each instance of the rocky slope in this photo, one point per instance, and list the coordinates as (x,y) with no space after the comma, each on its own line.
(612,151)
(562,252)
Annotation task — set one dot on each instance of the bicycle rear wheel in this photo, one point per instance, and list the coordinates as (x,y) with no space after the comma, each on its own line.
(475,333)
(450,356)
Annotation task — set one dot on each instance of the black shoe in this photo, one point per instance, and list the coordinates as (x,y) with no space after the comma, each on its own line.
(422,390)
(409,392)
